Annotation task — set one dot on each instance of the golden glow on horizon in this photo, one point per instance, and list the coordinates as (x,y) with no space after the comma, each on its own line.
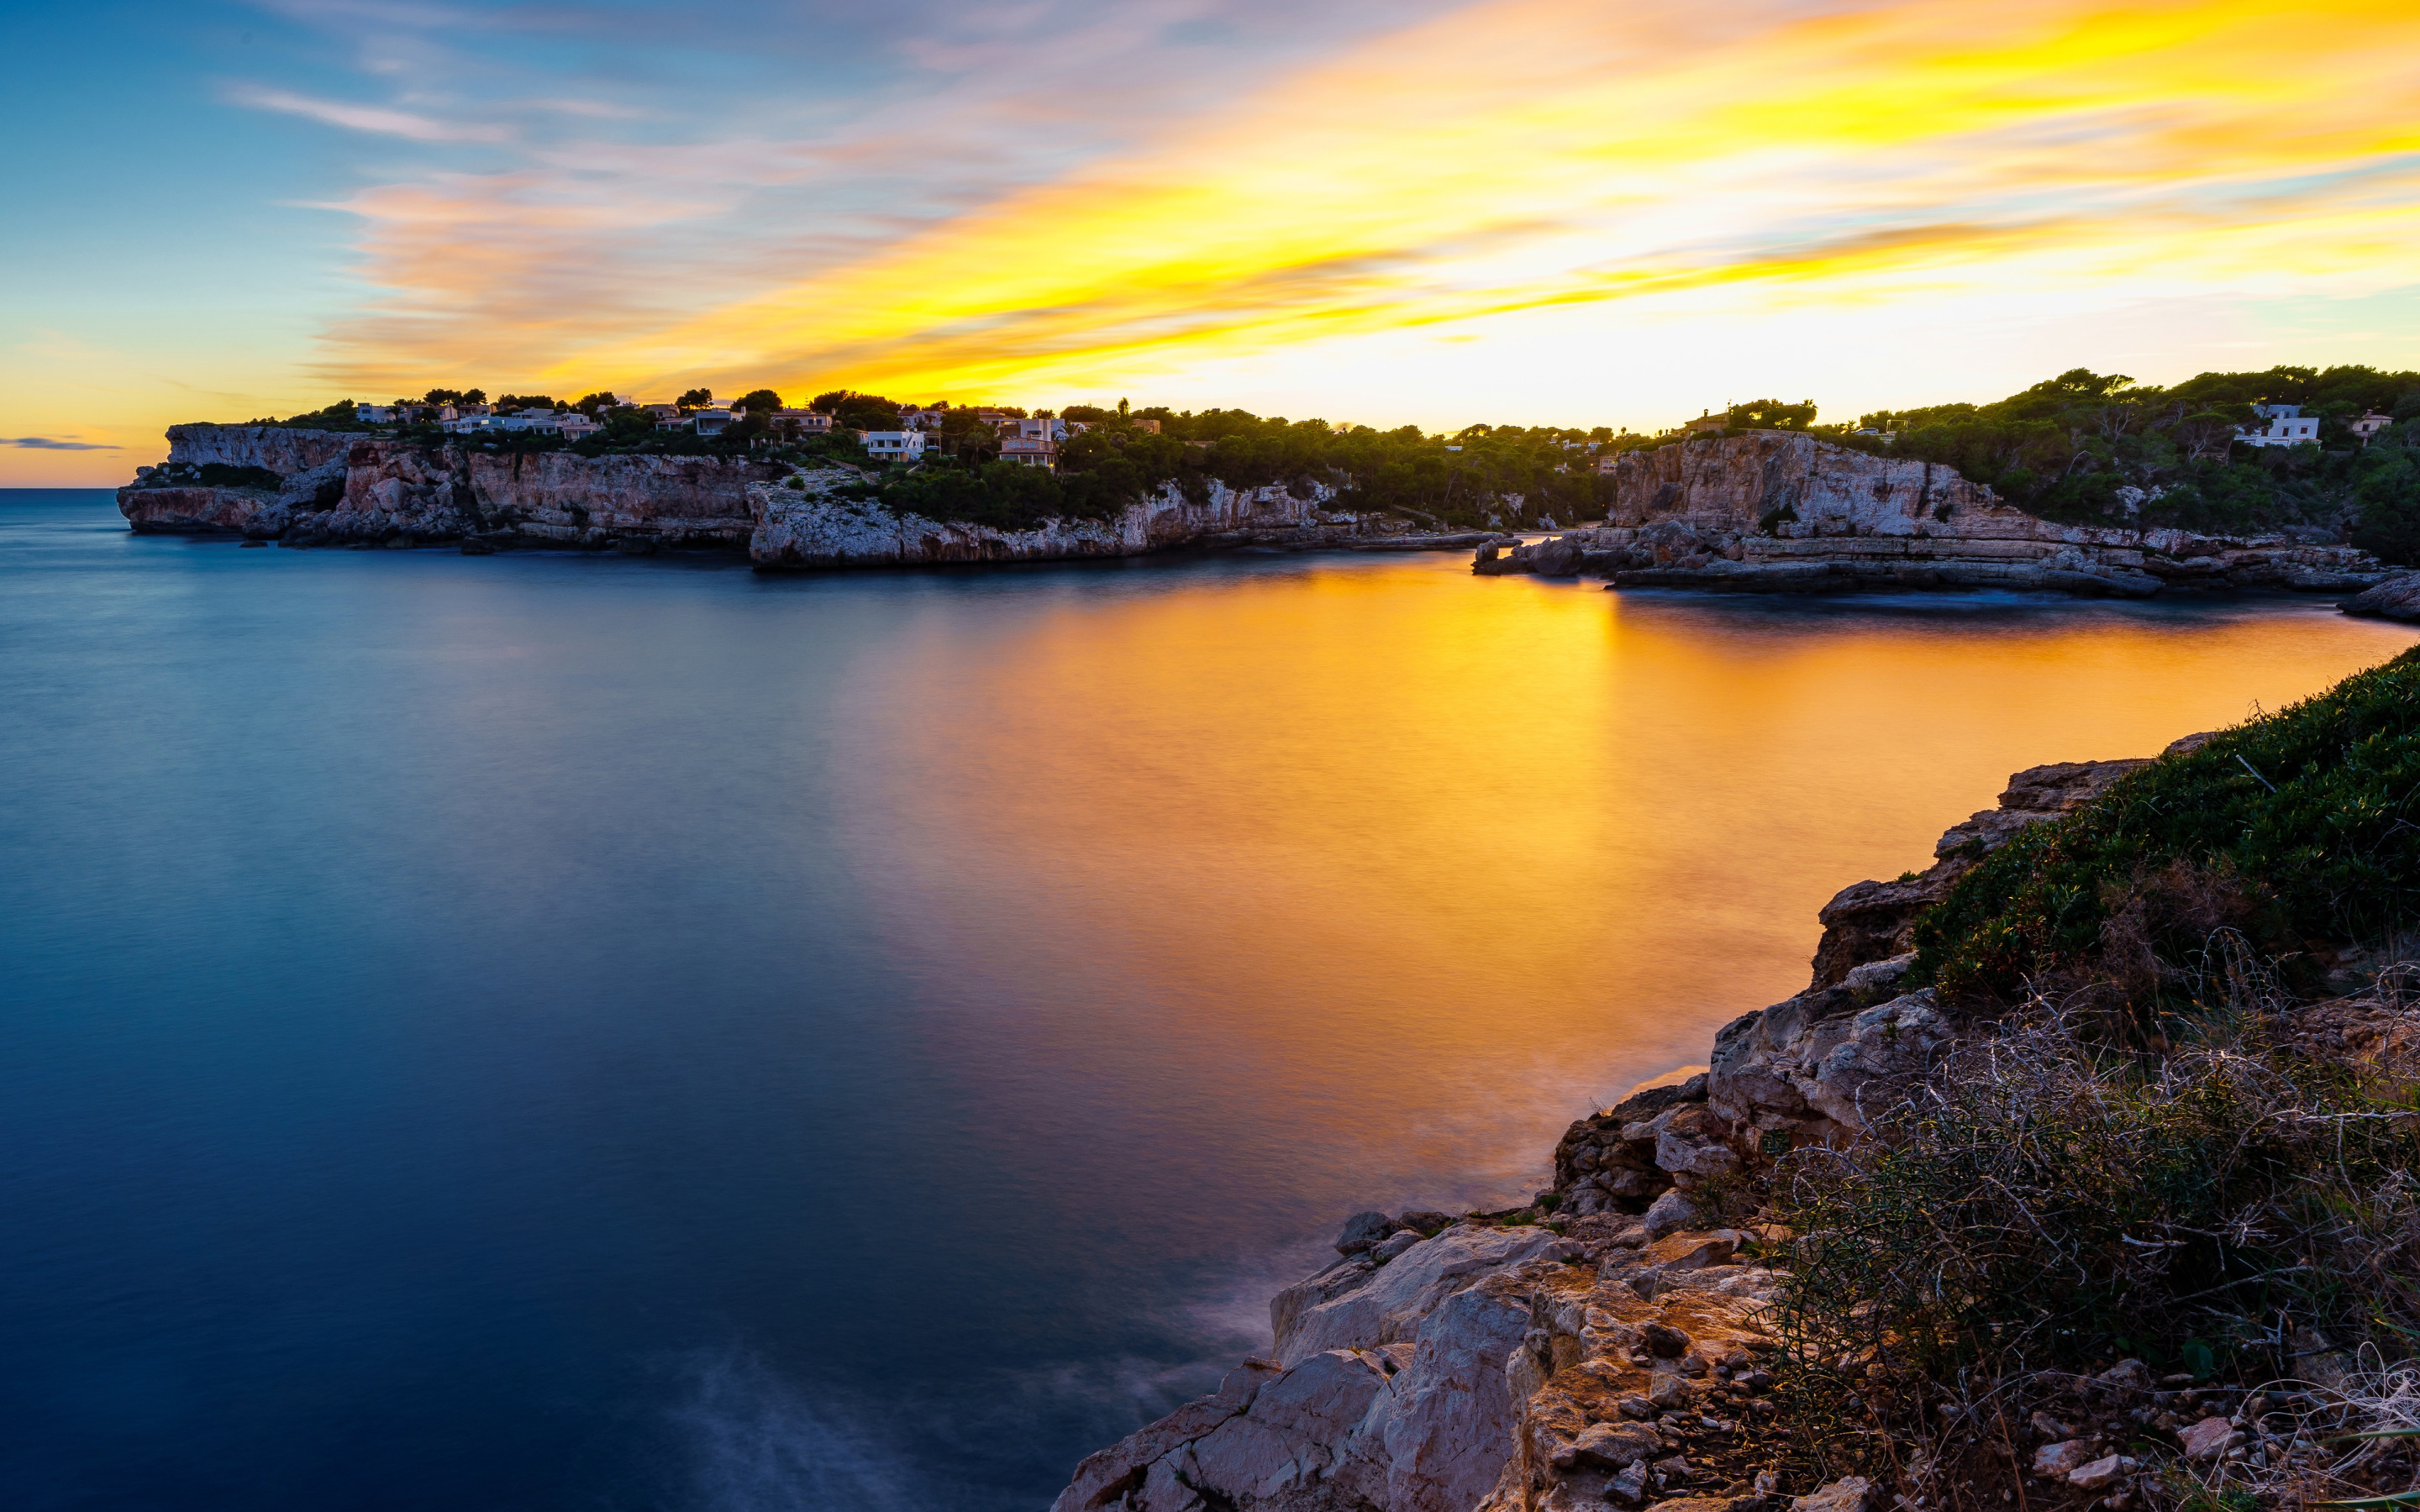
(1552,211)
(1545,154)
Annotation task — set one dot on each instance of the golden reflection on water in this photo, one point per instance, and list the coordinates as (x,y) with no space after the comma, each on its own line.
(1376,873)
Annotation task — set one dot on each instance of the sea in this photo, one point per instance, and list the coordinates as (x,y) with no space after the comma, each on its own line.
(548,1031)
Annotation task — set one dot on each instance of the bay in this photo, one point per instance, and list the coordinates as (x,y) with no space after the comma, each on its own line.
(552,1032)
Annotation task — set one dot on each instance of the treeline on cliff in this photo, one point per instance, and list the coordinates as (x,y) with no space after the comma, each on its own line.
(2098,449)
(1484,476)
(2081,448)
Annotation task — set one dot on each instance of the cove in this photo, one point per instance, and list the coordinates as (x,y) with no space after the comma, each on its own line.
(541,1032)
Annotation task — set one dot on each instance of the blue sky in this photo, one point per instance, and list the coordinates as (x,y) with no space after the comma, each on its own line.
(1501,209)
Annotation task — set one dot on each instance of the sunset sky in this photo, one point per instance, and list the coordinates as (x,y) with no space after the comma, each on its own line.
(1530,211)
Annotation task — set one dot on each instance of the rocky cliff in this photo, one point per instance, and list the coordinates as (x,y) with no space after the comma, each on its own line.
(1610,1344)
(824,517)
(1784,512)
(322,488)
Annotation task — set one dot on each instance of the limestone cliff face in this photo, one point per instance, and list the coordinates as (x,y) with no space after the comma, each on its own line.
(343,489)
(1616,1354)
(338,489)
(1784,512)
(820,519)
(281,450)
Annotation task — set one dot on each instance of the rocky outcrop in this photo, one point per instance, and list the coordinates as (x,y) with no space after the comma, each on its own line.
(305,487)
(827,518)
(1784,512)
(2396,598)
(1479,1366)
(335,489)
(1607,1345)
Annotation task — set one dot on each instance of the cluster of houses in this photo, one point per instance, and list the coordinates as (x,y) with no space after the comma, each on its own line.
(1028,443)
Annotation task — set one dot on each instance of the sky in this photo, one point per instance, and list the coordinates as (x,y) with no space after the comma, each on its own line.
(1380,211)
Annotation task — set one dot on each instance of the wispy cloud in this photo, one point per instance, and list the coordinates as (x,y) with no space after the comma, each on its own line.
(981,197)
(378,119)
(1538,153)
(46,443)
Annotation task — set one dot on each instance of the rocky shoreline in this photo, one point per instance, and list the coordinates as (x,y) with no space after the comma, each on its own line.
(1780,512)
(325,488)
(1612,1342)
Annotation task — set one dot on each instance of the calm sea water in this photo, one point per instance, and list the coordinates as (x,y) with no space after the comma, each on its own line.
(535,1032)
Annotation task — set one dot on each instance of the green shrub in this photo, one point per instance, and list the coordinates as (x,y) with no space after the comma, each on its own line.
(2298,827)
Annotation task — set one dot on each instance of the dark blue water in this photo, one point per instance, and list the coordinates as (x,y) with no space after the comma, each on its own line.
(541,1032)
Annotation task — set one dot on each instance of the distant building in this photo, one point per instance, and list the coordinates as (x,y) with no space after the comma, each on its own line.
(2288,426)
(704,421)
(804,422)
(1047,426)
(2368,425)
(893,445)
(575,424)
(374,414)
(1040,449)
(1706,422)
(1151,426)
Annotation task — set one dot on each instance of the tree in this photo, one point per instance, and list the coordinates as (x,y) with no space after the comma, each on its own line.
(592,404)
(527,401)
(2205,433)
(1770,414)
(442,396)
(825,404)
(695,399)
(758,401)
(474,397)
(866,411)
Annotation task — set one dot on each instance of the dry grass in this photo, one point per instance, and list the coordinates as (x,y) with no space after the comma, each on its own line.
(2218,1201)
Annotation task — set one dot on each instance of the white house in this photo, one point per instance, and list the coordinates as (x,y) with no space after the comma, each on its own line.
(374,414)
(893,445)
(1030,450)
(2288,426)
(712,421)
(806,422)
(1050,427)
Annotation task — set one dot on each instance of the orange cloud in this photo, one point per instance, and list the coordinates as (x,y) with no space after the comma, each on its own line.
(1542,153)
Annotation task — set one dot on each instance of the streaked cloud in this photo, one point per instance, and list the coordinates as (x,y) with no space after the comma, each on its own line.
(46,443)
(1436,211)
(1545,154)
(409,125)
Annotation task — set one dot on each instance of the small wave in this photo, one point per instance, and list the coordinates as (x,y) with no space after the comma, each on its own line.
(759,1444)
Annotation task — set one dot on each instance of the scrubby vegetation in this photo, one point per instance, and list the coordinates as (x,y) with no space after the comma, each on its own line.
(2167,1168)
(2300,829)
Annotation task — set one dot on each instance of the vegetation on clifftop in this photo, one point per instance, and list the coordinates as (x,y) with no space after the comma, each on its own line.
(2301,829)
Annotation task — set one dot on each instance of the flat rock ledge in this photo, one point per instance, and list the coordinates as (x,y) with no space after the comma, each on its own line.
(1614,1353)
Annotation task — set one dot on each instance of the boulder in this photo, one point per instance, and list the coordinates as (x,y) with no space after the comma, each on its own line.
(1668,1214)
(1610,1445)
(1853,1493)
(2207,1439)
(1370,1306)
(2099,1474)
(1362,1231)
(2396,598)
